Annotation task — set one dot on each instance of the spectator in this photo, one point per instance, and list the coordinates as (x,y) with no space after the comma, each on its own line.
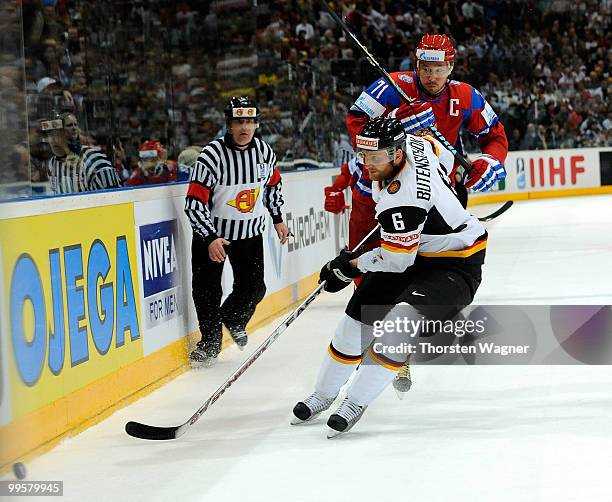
(306,27)
(158,68)
(514,142)
(533,139)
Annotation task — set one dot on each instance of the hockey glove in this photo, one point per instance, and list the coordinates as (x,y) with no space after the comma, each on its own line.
(485,172)
(338,273)
(415,117)
(334,200)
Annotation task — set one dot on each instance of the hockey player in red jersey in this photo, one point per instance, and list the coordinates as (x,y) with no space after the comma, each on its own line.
(153,167)
(449,104)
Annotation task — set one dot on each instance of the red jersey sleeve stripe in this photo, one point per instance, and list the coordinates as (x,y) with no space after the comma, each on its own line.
(275,178)
(199,192)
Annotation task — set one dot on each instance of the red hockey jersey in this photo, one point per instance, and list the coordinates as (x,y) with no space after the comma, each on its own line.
(459,105)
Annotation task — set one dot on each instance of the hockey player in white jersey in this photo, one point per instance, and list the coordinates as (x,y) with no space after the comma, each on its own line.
(430,257)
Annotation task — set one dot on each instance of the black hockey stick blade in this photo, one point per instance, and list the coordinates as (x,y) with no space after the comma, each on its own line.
(143,431)
(507,205)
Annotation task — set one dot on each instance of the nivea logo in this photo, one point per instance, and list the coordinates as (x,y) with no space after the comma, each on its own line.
(159,259)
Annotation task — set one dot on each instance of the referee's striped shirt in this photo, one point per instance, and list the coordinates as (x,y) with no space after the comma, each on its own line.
(230,190)
(89,171)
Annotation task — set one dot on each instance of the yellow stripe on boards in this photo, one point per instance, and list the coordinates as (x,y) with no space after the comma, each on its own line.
(544,194)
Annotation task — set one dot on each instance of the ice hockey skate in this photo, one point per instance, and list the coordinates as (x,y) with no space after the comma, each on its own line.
(310,408)
(240,338)
(402,381)
(345,417)
(203,356)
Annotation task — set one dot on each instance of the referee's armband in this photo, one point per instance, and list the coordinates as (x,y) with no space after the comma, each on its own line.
(198,191)
(275,178)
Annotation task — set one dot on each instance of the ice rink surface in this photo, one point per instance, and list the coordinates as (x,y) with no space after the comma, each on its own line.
(513,433)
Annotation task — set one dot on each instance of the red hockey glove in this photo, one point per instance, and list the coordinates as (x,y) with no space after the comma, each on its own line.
(485,172)
(415,117)
(334,200)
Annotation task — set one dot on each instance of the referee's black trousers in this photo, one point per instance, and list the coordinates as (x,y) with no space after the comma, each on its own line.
(246,258)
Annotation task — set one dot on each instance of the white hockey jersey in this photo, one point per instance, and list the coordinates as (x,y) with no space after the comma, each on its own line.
(420,215)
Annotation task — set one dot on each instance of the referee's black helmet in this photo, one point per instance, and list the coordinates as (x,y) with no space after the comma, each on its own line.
(241,107)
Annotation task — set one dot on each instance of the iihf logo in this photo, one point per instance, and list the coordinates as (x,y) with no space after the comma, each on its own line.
(261,171)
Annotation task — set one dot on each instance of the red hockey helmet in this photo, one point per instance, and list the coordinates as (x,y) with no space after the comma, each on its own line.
(150,149)
(152,157)
(435,48)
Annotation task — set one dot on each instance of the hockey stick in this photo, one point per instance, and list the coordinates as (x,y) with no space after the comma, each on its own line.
(144,431)
(507,205)
(460,158)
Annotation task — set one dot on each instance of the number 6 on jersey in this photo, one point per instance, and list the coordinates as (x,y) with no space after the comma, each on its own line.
(398,222)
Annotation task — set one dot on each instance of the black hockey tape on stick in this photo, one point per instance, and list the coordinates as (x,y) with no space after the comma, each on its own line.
(507,205)
(460,158)
(151,432)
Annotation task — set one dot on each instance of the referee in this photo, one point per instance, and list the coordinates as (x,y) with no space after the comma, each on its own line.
(74,168)
(232,184)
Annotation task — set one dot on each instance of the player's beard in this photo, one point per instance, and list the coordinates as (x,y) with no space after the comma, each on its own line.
(432,94)
(381,174)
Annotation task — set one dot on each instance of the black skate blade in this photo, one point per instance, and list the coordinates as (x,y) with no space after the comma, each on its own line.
(150,432)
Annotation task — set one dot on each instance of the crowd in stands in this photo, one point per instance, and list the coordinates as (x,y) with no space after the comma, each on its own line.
(543,66)
(162,69)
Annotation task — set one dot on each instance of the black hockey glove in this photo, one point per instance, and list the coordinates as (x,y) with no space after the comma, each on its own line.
(339,273)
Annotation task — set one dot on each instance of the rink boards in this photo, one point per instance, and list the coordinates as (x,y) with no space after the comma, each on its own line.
(95,305)
(552,173)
